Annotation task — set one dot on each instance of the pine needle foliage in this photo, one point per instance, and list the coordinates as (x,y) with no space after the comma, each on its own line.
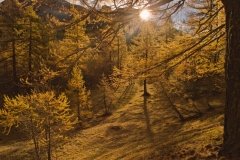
(77,87)
(108,94)
(45,117)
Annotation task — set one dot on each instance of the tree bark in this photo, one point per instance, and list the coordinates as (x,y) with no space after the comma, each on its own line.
(30,48)
(14,61)
(145,92)
(118,51)
(49,142)
(231,145)
(35,141)
(78,112)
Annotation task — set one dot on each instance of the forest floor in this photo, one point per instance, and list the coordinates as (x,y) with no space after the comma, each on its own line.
(138,132)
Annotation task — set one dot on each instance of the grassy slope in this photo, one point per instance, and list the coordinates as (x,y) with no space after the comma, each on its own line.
(135,132)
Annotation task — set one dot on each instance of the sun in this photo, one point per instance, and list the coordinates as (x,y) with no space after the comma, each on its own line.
(145,15)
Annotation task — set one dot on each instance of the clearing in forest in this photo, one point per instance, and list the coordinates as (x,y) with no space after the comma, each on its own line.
(151,132)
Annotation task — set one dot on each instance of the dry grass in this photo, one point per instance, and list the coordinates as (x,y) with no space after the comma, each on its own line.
(135,132)
(154,133)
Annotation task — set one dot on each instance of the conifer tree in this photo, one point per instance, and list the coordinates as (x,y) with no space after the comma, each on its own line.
(77,85)
(108,94)
(28,46)
(45,116)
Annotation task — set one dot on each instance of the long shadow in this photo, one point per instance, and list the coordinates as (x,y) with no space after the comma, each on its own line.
(147,119)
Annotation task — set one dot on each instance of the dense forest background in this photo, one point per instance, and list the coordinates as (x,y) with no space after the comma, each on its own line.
(67,68)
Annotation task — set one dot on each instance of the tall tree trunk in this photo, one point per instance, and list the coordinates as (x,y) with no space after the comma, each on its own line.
(49,143)
(105,103)
(14,61)
(145,92)
(78,112)
(30,48)
(48,138)
(231,143)
(35,141)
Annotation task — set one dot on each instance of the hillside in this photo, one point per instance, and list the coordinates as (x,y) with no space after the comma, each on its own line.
(137,132)
(182,119)
(56,8)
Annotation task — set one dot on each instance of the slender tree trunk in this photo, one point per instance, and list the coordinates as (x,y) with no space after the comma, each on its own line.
(110,60)
(49,142)
(78,107)
(231,145)
(30,49)
(145,92)
(105,103)
(36,146)
(48,139)
(48,133)
(145,80)
(35,141)
(119,63)
(14,62)
(78,112)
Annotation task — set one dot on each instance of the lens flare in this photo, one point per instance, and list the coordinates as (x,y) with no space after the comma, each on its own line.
(145,15)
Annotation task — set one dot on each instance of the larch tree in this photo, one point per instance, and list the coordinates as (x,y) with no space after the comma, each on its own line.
(43,115)
(108,94)
(77,85)
(206,62)
(26,41)
(231,143)
(11,20)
